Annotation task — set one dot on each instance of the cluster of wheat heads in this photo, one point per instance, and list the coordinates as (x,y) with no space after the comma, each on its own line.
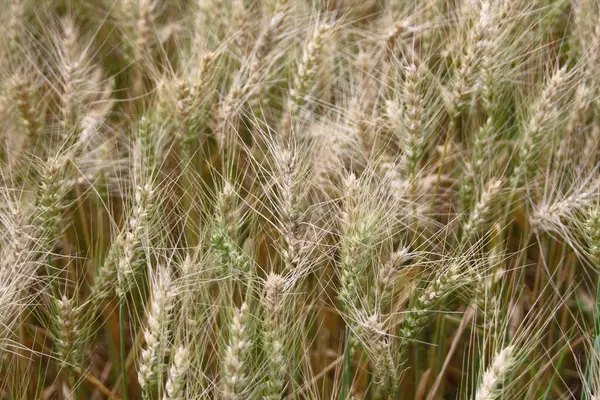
(300,199)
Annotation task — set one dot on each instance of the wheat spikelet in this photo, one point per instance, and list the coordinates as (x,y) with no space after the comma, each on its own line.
(175,386)
(128,244)
(235,360)
(273,329)
(417,317)
(481,210)
(156,333)
(304,78)
(495,374)
(378,345)
(544,113)
(68,330)
(26,106)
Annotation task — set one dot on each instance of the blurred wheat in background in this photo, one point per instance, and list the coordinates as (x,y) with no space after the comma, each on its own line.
(300,199)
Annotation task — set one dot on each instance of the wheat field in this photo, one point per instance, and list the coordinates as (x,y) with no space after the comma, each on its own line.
(300,199)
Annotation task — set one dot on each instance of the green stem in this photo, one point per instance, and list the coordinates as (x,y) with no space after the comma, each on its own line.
(347,365)
(558,365)
(122,350)
(591,368)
